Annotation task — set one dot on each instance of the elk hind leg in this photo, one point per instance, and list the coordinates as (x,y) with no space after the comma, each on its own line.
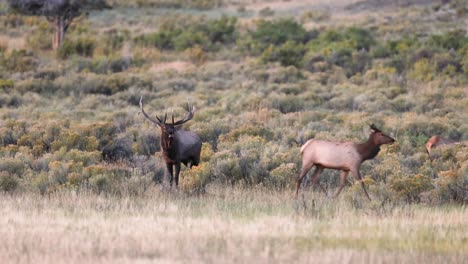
(304,171)
(316,177)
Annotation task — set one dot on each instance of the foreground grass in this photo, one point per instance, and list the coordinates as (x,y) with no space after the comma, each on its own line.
(227,225)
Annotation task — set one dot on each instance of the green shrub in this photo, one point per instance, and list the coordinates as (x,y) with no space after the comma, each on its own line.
(147,143)
(8,182)
(41,86)
(84,157)
(197,55)
(8,150)
(58,172)
(6,85)
(359,38)
(76,179)
(105,65)
(287,104)
(188,39)
(206,152)
(100,183)
(452,174)
(113,40)
(68,140)
(95,84)
(442,61)
(338,41)
(276,32)
(222,30)
(211,131)
(83,46)
(286,75)
(283,176)
(253,172)
(380,51)
(288,54)
(247,130)
(205,33)
(226,167)
(455,40)
(12,131)
(18,61)
(315,63)
(39,39)
(118,149)
(341,57)
(196,179)
(163,39)
(361,61)
(410,187)
(422,70)
(104,132)
(403,45)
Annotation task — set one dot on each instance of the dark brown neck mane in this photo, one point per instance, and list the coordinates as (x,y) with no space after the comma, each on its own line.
(169,149)
(368,149)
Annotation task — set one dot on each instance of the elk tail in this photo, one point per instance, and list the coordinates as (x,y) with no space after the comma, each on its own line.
(306,145)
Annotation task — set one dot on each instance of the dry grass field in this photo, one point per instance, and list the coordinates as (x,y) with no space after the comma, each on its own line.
(226,226)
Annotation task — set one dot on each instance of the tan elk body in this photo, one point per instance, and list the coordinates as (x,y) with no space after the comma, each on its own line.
(437,141)
(345,156)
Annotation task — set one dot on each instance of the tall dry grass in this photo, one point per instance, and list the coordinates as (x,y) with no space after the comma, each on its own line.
(226,225)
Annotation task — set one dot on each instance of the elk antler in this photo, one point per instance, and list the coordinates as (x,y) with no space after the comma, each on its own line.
(157,121)
(190,110)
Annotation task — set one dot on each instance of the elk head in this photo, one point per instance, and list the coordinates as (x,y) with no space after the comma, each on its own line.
(379,138)
(168,129)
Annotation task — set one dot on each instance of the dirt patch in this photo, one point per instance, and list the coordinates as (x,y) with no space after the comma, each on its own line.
(379,4)
(12,43)
(294,4)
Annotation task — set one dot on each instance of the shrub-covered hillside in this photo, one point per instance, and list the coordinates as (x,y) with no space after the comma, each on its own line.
(264,77)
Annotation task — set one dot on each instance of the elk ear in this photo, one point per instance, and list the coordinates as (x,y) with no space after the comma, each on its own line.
(374,128)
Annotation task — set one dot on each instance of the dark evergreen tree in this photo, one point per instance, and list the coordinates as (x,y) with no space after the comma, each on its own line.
(58,12)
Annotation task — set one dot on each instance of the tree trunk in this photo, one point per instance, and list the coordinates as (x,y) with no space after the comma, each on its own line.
(59,34)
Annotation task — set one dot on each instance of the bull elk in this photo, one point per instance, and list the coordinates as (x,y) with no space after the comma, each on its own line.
(345,156)
(437,141)
(178,146)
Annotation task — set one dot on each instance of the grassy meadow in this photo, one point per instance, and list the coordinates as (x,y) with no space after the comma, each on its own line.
(81,173)
(231,225)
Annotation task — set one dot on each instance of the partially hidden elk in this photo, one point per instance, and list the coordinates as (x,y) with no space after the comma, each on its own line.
(438,141)
(345,156)
(178,146)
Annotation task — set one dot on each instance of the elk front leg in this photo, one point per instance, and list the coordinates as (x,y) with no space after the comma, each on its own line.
(177,171)
(358,176)
(170,169)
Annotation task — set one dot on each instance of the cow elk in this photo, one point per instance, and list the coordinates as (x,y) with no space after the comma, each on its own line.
(345,156)
(178,146)
(437,141)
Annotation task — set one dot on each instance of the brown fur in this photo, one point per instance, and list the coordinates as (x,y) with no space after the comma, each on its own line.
(178,146)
